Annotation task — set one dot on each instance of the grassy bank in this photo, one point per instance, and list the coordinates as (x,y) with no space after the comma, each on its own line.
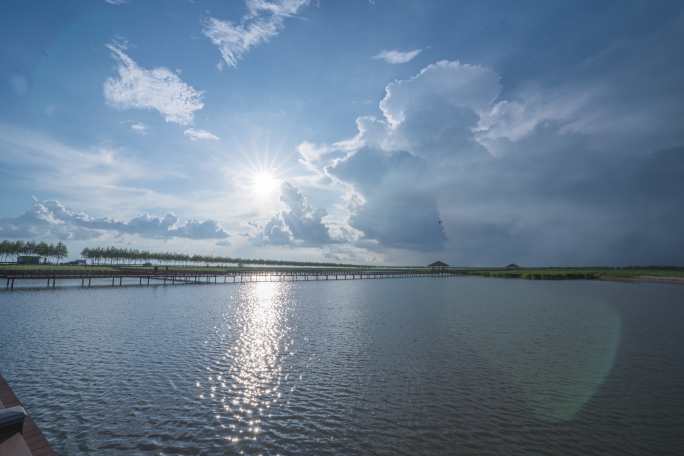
(578,273)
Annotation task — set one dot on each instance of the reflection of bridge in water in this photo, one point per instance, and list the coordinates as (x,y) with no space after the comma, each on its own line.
(150,277)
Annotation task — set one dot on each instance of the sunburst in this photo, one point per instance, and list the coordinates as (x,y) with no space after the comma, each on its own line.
(264,169)
(264,182)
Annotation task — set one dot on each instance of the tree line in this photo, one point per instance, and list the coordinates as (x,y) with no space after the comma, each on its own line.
(114,255)
(14,249)
(11,250)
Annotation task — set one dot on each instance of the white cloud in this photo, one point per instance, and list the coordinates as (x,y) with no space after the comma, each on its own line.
(54,161)
(299,222)
(98,176)
(276,232)
(139,128)
(51,219)
(116,2)
(397,166)
(159,88)
(395,56)
(196,134)
(265,19)
(283,8)
(452,83)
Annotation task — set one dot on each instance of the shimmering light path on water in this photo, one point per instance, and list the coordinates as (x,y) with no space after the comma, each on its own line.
(457,366)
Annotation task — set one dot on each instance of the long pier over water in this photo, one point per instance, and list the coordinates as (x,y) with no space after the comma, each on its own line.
(130,276)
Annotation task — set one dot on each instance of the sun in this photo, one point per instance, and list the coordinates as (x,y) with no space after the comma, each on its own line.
(262,172)
(265,182)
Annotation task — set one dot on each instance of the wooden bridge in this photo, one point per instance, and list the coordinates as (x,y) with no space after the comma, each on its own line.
(127,276)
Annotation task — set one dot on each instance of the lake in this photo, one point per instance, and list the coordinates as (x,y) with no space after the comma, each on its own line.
(461,365)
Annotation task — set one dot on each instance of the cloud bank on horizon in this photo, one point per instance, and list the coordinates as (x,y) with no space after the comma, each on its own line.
(483,156)
(51,219)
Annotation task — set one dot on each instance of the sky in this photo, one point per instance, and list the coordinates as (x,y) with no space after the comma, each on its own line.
(393,132)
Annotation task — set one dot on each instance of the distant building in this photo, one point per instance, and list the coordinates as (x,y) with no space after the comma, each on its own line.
(512,266)
(438,265)
(28,259)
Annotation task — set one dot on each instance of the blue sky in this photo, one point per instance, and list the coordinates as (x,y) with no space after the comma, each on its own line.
(385,131)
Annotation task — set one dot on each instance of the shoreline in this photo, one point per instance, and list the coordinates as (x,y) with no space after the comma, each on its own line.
(646,279)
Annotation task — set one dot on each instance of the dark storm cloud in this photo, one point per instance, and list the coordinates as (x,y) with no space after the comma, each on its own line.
(553,199)
(576,174)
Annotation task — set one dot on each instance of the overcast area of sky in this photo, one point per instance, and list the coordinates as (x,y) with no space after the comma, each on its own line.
(397,132)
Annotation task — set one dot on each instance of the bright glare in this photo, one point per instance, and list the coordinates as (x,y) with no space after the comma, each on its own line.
(264,183)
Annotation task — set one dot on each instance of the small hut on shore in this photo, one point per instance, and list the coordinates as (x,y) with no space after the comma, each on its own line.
(28,259)
(438,265)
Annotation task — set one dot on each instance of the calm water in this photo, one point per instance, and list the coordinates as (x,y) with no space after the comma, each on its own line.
(411,366)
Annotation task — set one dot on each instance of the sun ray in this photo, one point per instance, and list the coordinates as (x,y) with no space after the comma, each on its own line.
(263,168)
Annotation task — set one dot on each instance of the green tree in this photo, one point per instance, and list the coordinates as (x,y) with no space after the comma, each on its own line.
(61,251)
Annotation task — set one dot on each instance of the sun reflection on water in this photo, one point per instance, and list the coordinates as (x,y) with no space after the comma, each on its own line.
(251,384)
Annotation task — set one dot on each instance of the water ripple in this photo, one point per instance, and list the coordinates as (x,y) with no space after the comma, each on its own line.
(459,366)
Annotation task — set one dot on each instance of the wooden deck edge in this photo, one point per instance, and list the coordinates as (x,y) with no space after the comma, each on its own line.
(35,440)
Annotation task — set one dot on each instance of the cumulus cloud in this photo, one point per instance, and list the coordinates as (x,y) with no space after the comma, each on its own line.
(395,164)
(471,87)
(395,57)
(449,164)
(159,89)
(51,219)
(265,20)
(196,134)
(299,222)
(276,232)
(393,205)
